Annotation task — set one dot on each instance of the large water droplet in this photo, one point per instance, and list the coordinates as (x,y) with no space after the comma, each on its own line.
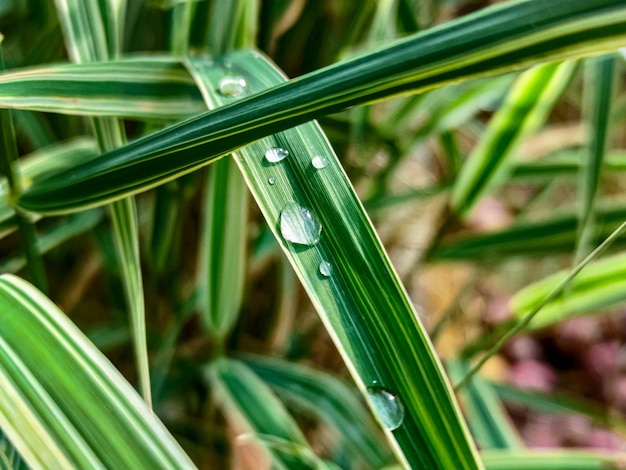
(389,408)
(298,225)
(271,180)
(319,162)
(326,269)
(232,85)
(276,154)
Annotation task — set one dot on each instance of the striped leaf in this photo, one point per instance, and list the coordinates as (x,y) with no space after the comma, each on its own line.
(322,228)
(492,41)
(599,287)
(85,38)
(490,425)
(551,460)
(150,87)
(525,109)
(77,420)
(555,236)
(252,407)
(330,399)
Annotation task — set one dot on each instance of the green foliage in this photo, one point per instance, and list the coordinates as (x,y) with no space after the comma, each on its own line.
(228,194)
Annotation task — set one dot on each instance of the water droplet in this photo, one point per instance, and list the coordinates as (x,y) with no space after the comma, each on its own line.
(388,407)
(271,180)
(232,85)
(326,269)
(298,225)
(276,154)
(319,162)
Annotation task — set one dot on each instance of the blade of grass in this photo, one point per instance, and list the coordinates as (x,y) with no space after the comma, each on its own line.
(495,40)
(36,166)
(244,397)
(490,425)
(26,228)
(550,237)
(599,73)
(141,87)
(379,336)
(86,41)
(69,228)
(523,323)
(225,223)
(563,403)
(551,460)
(73,420)
(598,288)
(332,400)
(525,109)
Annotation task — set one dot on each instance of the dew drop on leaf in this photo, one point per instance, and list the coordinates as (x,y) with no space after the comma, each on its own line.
(326,269)
(388,406)
(319,162)
(232,85)
(298,225)
(276,154)
(271,180)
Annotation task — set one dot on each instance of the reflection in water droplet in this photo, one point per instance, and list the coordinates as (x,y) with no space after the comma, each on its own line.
(298,225)
(319,162)
(275,154)
(271,180)
(232,85)
(389,408)
(326,269)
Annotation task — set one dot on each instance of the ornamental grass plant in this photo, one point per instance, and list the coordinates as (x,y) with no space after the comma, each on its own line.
(312,234)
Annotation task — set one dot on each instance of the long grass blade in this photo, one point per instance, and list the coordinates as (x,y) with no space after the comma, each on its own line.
(86,40)
(315,215)
(330,399)
(525,109)
(550,237)
(76,420)
(551,460)
(599,414)
(141,87)
(224,230)
(490,425)
(599,87)
(600,287)
(492,41)
(244,397)
(14,188)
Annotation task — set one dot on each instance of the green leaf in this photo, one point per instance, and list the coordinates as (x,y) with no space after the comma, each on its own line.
(550,460)
(141,87)
(332,400)
(76,420)
(495,40)
(84,32)
(551,237)
(244,397)
(38,165)
(378,335)
(525,109)
(599,87)
(69,228)
(490,425)
(599,287)
(558,402)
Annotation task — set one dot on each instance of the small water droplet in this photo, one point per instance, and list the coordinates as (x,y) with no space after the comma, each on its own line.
(326,269)
(298,225)
(276,154)
(271,180)
(319,162)
(388,407)
(232,85)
